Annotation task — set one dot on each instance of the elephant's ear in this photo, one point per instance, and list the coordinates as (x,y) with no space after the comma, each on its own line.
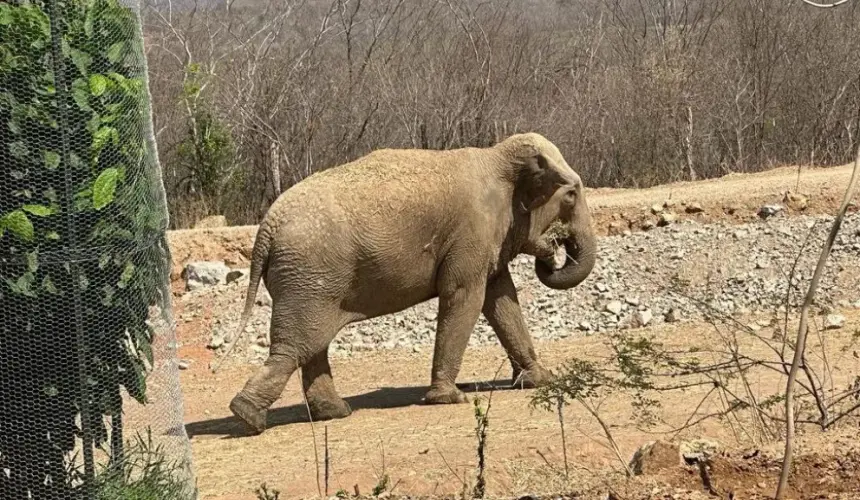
(538,180)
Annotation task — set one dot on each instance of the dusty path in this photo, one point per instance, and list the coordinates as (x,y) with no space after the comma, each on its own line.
(431,450)
(425,448)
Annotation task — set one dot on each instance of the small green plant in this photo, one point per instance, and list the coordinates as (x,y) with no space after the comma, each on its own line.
(263,493)
(482,422)
(381,486)
(143,473)
(342,493)
(583,382)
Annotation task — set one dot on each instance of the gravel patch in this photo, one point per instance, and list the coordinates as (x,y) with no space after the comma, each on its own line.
(671,273)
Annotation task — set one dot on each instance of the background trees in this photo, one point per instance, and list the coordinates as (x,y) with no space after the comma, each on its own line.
(636,92)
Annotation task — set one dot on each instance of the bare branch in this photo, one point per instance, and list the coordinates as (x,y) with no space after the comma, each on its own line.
(800,344)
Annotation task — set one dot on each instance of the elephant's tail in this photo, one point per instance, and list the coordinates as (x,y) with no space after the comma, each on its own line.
(259,263)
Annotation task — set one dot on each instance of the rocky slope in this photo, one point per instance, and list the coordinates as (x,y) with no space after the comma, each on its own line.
(676,272)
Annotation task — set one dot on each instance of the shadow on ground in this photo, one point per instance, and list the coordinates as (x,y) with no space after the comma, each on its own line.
(380,399)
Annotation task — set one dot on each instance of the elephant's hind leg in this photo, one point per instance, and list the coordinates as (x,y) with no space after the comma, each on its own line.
(262,389)
(323,399)
(299,335)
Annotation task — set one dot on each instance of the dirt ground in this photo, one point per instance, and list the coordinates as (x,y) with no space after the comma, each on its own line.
(431,450)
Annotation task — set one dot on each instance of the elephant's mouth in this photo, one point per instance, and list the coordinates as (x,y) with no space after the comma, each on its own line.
(555,236)
(568,255)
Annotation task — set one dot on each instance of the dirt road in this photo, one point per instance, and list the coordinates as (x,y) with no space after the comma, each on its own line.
(431,450)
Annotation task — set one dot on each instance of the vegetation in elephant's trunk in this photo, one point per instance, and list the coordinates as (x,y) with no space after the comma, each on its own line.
(577,242)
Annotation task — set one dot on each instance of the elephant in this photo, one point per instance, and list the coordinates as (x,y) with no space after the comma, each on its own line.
(398,227)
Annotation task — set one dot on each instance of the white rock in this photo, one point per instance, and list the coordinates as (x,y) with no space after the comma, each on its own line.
(614,307)
(644,317)
(769,211)
(216,342)
(202,274)
(834,321)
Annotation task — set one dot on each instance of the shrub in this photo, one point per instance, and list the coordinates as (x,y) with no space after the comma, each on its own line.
(82,250)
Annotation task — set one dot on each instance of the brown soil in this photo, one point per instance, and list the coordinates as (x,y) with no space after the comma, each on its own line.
(431,450)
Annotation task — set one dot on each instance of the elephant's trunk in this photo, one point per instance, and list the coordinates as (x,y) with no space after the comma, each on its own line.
(581,252)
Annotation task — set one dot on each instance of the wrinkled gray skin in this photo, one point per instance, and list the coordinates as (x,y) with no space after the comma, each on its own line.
(399,227)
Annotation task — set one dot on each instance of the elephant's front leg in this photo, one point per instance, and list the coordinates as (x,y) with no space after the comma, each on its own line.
(459,309)
(503,312)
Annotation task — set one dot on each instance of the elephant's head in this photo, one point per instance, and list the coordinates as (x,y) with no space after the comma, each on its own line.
(553,195)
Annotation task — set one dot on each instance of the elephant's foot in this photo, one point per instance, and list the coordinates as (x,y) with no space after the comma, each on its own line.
(253,417)
(529,379)
(328,409)
(445,395)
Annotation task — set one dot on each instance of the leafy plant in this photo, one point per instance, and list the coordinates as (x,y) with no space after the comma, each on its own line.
(144,473)
(263,493)
(207,152)
(82,251)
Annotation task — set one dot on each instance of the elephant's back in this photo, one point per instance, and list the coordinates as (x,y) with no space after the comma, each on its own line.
(384,187)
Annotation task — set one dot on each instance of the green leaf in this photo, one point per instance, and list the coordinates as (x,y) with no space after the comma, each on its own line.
(5,14)
(81,94)
(52,235)
(116,51)
(127,274)
(82,99)
(23,285)
(38,210)
(83,281)
(82,61)
(98,85)
(75,161)
(93,123)
(18,224)
(104,188)
(102,136)
(32,261)
(88,22)
(19,150)
(14,126)
(109,292)
(52,160)
(50,194)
